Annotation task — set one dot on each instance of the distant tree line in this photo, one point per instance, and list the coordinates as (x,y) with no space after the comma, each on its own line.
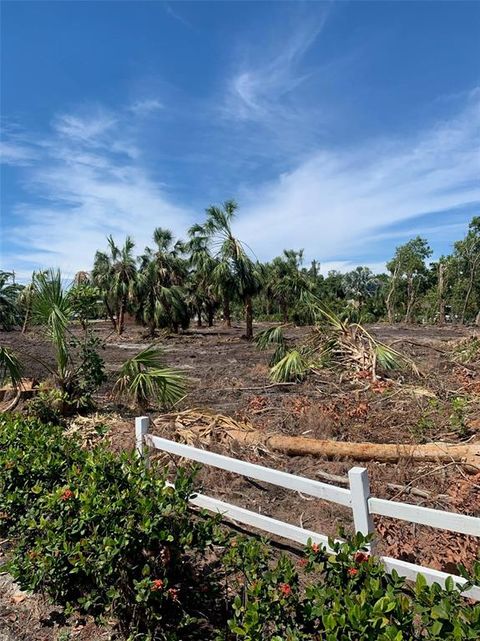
(212,275)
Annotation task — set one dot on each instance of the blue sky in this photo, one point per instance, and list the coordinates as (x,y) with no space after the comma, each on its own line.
(343,128)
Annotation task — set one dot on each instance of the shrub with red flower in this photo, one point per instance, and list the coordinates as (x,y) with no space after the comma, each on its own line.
(173,593)
(361,557)
(352,572)
(68,494)
(157,584)
(285,589)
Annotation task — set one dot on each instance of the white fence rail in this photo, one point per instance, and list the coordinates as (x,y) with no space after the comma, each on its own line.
(357,498)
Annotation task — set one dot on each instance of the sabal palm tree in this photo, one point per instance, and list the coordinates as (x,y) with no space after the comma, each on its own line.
(286,281)
(115,275)
(201,287)
(159,289)
(232,257)
(360,284)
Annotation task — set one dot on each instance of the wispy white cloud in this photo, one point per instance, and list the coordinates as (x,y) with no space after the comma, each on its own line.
(337,203)
(90,129)
(12,153)
(84,186)
(146,106)
(257,90)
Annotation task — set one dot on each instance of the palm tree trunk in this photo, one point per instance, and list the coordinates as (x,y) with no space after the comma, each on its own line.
(388,301)
(441,294)
(199,316)
(249,317)
(410,301)
(26,319)
(211,314)
(151,327)
(467,297)
(284,308)
(121,316)
(226,312)
(110,315)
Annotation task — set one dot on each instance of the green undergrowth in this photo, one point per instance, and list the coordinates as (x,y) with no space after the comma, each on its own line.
(103,535)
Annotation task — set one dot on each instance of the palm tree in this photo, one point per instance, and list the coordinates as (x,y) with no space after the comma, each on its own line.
(232,258)
(51,309)
(115,275)
(201,286)
(360,284)
(159,289)
(286,281)
(9,298)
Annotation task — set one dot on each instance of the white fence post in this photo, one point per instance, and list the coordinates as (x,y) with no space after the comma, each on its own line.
(360,493)
(142,424)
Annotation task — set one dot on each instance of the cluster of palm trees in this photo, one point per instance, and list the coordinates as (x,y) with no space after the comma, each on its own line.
(175,280)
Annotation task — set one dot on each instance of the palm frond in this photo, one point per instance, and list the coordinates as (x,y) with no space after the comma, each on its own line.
(291,368)
(144,378)
(10,367)
(269,337)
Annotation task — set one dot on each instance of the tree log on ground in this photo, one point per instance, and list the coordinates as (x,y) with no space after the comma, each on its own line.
(201,427)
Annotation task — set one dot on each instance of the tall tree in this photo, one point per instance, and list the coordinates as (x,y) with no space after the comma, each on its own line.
(360,284)
(202,288)
(408,264)
(233,258)
(159,293)
(114,274)
(467,252)
(286,281)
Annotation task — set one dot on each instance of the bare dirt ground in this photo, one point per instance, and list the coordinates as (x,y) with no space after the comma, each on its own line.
(229,376)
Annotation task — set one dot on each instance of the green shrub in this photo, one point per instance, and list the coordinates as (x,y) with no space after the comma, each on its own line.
(347,596)
(104,535)
(34,460)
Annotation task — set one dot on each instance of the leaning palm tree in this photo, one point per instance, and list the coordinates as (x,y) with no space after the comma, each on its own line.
(233,257)
(332,342)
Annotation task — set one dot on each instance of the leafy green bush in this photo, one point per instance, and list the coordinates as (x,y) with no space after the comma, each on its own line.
(342,596)
(105,535)
(34,460)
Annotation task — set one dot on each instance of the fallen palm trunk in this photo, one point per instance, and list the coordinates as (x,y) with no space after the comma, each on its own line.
(204,427)
(384,452)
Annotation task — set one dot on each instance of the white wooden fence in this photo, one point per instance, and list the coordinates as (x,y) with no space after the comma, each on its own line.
(357,498)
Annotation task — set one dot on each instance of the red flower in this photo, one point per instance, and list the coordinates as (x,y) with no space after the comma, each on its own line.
(315,548)
(352,571)
(173,594)
(361,557)
(302,563)
(68,494)
(285,589)
(157,584)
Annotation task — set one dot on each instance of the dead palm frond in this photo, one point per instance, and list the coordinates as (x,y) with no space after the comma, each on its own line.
(337,342)
(144,378)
